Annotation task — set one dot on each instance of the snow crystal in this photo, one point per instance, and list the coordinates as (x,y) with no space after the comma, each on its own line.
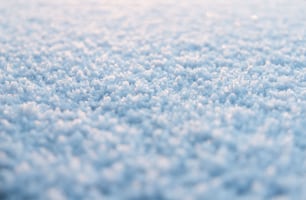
(155,99)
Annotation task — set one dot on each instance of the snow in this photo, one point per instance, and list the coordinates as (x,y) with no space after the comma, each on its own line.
(152,99)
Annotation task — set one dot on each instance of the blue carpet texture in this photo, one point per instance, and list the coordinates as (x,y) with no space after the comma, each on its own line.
(200,99)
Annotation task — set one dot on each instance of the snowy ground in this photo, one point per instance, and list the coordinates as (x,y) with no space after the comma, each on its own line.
(152,99)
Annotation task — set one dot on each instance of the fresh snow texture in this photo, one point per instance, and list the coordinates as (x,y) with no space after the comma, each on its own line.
(152,99)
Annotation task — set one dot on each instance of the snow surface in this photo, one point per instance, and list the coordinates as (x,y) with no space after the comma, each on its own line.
(152,99)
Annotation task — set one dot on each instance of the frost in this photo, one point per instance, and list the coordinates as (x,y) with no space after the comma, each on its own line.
(155,99)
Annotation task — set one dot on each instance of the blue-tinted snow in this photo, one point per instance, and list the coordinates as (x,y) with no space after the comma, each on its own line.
(152,100)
